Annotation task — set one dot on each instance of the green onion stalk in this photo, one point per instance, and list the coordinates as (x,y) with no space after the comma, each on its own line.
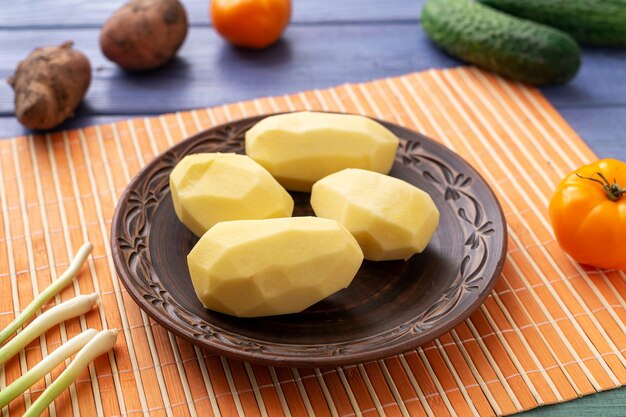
(46,365)
(74,307)
(50,291)
(101,343)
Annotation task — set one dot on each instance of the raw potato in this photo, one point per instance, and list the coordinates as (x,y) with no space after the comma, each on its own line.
(49,84)
(144,34)
(208,188)
(390,218)
(251,268)
(299,149)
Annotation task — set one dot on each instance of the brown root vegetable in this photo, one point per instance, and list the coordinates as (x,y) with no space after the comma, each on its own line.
(144,34)
(49,84)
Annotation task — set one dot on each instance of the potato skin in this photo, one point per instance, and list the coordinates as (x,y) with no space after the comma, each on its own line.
(49,84)
(144,34)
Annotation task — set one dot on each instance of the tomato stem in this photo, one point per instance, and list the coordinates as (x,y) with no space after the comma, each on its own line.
(613,191)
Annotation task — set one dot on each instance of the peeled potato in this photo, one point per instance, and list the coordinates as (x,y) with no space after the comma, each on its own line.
(251,268)
(390,218)
(299,149)
(208,188)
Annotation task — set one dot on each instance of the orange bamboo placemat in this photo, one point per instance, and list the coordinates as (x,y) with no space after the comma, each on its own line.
(550,331)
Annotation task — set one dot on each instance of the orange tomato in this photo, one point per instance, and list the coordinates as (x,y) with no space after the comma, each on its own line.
(588,214)
(250,23)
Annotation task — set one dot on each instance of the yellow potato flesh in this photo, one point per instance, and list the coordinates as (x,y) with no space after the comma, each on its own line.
(300,148)
(208,188)
(251,268)
(390,218)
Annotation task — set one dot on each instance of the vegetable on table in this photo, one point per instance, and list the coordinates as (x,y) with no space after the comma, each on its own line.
(252,24)
(101,343)
(74,307)
(208,188)
(597,22)
(301,148)
(251,268)
(144,34)
(588,214)
(516,48)
(45,366)
(390,218)
(49,84)
(50,291)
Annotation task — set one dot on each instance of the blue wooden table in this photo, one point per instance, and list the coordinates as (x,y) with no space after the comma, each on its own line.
(327,43)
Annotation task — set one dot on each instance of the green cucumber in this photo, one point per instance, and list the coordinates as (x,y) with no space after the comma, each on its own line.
(519,49)
(597,22)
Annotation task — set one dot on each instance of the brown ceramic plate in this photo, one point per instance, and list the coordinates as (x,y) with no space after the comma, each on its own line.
(390,307)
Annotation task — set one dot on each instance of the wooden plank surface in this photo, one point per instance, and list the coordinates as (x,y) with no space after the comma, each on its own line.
(92,13)
(328,43)
(603,128)
(605,404)
(210,72)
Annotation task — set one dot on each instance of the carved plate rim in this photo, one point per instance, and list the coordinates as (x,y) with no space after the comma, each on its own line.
(138,291)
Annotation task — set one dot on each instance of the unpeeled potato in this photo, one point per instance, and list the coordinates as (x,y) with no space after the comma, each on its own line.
(144,34)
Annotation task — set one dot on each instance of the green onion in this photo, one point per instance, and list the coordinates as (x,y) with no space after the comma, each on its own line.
(74,307)
(46,365)
(101,343)
(52,290)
